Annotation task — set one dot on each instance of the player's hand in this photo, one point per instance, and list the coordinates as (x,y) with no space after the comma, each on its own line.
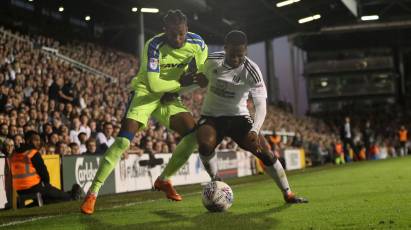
(201,80)
(186,80)
(168,97)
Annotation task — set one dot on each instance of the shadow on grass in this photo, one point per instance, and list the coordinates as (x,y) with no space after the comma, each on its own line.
(174,221)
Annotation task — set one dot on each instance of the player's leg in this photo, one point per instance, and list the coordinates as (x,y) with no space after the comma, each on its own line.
(260,148)
(176,117)
(135,118)
(183,123)
(122,142)
(207,139)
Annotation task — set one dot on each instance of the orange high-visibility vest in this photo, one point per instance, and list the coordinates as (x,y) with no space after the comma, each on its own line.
(339,149)
(275,139)
(23,171)
(403,135)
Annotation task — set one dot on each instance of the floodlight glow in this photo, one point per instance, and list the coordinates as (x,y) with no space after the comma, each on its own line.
(61,9)
(150,10)
(370,17)
(317,16)
(87,18)
(309,19)
(134,9)
(285,3)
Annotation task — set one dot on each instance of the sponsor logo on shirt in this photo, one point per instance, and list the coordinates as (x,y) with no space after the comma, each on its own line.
(153,63)
(173,65)
(220,88)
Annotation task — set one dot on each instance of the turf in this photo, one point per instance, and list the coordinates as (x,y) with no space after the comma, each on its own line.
(366,195)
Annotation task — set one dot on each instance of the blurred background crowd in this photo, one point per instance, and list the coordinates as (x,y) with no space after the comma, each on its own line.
(77,112)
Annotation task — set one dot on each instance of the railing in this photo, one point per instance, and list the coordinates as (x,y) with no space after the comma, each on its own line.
(55,53)
(5,33)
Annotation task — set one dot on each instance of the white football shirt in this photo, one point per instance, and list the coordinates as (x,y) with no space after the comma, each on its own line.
(229,88)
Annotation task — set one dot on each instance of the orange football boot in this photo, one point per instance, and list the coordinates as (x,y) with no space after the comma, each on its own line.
(88,204)
(168,189)
(291,198)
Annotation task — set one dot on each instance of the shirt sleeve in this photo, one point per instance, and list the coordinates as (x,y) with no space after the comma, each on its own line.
(257,84)
(152,56)
(201,57)
(207,69)
(41,168)
(260,105)
(258,93)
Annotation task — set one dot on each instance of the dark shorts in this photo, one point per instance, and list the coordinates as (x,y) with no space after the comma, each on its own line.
(235,127)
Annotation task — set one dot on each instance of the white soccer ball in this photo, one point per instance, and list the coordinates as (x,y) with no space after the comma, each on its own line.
(217,196)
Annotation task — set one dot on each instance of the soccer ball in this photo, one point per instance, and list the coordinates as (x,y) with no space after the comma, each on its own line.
(217,196)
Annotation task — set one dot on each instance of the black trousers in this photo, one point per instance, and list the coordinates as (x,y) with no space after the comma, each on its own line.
(49,193)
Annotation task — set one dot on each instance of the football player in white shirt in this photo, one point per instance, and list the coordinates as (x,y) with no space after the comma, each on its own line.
(231,78)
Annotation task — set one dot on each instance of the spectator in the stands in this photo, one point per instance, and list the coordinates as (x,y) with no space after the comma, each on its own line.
(105,139)
(63,149)
(18,140)
(84,124)
(76,130)
(93,128)
(297,140)
(75,148)
(83,141)
(158,147)
(7,147)
(53,139)
(91,146)
(4,132)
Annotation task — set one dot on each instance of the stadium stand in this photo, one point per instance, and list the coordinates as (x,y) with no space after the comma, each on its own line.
(57,89)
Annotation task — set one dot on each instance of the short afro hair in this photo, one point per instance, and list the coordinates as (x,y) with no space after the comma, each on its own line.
(174,17)
(28,136)
(236,37)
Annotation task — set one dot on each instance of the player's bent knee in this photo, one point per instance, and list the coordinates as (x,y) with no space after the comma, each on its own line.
(267,158)
(126,134)
(205,149)
(123,143)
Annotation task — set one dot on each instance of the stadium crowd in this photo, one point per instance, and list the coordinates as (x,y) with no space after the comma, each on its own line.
(79,113)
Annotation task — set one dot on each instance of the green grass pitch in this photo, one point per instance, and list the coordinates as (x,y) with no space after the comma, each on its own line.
(366,195)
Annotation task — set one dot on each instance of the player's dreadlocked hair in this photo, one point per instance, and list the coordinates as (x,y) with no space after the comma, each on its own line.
(174,17)
(236,37)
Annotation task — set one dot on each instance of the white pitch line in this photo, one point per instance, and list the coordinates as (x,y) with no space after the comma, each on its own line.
(32,219)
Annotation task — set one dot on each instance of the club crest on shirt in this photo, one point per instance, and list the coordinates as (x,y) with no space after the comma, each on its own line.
(153,63)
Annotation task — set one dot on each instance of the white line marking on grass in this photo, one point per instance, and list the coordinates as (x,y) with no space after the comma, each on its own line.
(142,202)
(31,219)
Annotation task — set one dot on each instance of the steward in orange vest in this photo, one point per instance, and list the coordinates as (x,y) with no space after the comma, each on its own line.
(30,174)
(403,137)
(403,134)
(27,166)
(24,173)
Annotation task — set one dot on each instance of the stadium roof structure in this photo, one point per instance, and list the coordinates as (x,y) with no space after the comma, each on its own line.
(115,22)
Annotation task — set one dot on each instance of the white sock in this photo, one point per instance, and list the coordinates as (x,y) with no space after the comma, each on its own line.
(276,171)
(210,164)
